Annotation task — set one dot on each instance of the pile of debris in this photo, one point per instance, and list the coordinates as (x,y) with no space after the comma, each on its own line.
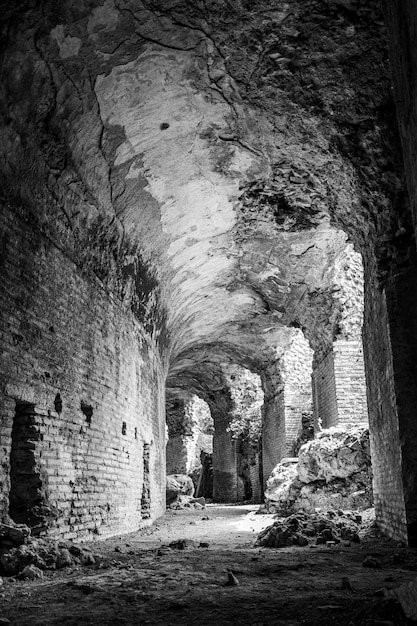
(301,529)
(333,471)
(25,557)
(180,493)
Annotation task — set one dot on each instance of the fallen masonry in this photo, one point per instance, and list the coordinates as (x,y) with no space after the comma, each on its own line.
(27,557)
(333,471)
(301,529)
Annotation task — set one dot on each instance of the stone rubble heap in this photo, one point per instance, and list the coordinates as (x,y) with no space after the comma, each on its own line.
(25,557)
(333,471)
(180,493)
(301,529)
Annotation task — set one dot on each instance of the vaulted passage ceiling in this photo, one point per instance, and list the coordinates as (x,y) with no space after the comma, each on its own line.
(214,163)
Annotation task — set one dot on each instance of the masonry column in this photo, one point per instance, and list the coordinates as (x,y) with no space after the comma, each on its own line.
(339,385)
(273,422)
(179,421)
(224,447)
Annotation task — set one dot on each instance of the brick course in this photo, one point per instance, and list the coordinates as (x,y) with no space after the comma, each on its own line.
(63,333)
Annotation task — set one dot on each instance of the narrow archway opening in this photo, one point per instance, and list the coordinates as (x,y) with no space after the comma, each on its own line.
(189,449)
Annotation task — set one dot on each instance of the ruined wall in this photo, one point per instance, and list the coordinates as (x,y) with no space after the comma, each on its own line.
(401,292)
(64,334)
(297,365)
(324,392)
(273,421)
(349,372)
(339,386)
(383,416)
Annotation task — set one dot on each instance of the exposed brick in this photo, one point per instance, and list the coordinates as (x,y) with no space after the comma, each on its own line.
(65,334)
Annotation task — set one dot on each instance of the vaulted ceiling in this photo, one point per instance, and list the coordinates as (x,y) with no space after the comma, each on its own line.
(213,163)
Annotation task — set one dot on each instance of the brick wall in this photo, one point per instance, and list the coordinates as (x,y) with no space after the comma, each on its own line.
(273,422)
(339,386)
(324,392)
(62,333)
(401,294)
(352,408)
(297,367)
(383,417)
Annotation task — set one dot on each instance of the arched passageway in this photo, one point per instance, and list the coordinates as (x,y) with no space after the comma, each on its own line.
(185,186)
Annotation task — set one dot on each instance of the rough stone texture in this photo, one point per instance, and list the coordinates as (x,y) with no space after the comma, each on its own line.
(332,471)
(339,389)
(300,529)
(334,453)
(211,165)
(297,369)
(178,484)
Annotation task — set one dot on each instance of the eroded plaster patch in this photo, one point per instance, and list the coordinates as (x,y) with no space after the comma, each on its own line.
(164,118)
(68,46)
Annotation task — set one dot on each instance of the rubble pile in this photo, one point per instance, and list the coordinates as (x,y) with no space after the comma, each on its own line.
(333,471)
(180,493)
(25,557)
(301,529)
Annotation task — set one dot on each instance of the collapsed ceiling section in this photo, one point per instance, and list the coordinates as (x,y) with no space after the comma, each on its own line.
(213,163)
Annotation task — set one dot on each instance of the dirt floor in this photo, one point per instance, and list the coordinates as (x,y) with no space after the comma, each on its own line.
(139,579)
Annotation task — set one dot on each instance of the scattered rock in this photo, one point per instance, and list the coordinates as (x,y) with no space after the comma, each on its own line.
(4,621)
(17,534)
(300,529)
(31,572)
(176,485)
(64,558)
(200,501)
(182,544)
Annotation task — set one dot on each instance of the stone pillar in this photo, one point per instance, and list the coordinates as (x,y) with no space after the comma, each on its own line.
(297,368)
(224,466)
(224,448)
(339,387)
(178,426)
(273,423)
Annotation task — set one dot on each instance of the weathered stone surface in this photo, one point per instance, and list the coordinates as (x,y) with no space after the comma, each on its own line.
(31,572)
(301,529)
(334,453)
(64,558)
(335,474)
(18,534)
(178,484)
(14,560)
